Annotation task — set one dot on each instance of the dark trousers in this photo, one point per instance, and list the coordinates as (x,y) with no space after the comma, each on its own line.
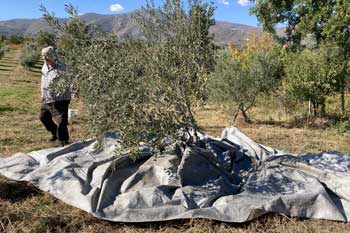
(54,116)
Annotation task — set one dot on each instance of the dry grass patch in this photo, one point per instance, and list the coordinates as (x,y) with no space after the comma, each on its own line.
(277,135)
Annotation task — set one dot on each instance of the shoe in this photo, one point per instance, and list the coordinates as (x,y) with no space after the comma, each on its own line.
(53,138)
(64,143)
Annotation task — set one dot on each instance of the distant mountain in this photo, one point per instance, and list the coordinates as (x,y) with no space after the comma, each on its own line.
(124,26)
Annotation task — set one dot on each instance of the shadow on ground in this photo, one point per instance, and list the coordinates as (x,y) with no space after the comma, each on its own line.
(7,70)
(278,123)
(6,108)
(16,191)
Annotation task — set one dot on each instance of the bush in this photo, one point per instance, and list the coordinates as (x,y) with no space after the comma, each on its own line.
(44,39)
(30,55)
(3,49)
(15,39)
(2,38)
(342,126)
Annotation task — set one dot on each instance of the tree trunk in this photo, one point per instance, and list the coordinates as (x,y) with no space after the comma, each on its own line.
(309,113)
(246,119)
(342,100)
(315,107)
(235,116)
(245,116)
(344,80)
(323,109)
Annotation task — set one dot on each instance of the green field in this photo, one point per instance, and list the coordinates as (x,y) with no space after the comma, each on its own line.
(25,209)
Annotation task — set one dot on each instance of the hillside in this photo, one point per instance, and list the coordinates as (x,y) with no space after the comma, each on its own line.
(124,26)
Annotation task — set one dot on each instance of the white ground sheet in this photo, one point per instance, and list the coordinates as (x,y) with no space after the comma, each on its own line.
(231,179)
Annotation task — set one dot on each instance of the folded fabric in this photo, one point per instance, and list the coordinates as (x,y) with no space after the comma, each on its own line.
(232,179)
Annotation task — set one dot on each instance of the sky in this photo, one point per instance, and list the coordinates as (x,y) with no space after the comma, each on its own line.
(227,10)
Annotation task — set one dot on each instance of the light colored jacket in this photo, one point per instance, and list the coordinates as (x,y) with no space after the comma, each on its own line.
(48,77)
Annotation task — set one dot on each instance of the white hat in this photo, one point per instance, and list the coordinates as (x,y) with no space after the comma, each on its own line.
(49,53)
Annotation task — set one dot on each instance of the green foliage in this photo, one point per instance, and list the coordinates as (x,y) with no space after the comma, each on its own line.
(342,126)
(236,86)
(2,52)
(30,55)
(2,38)
(230,85)
(325,21)
(311,75)
(32,47)
(144,90)
(2,49)
(71,32)
(15,39)
(44,39)
(183,54)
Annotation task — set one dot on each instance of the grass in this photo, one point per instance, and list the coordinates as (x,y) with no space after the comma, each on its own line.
(281,136)
(26,209)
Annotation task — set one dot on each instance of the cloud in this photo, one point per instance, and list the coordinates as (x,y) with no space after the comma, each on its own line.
(225,2)
(243,2)
(116,7)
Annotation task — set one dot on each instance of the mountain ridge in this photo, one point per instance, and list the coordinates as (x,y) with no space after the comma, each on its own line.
(124,26)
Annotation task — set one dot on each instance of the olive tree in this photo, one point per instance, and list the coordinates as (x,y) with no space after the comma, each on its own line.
(2,46)
(15,39)
(237,88)
(144,90)
(31,50)
(242,74)
(30,55)
(312,75)
(44,39)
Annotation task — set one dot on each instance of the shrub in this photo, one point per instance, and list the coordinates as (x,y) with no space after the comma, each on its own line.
(30,55)
(15,39)
(237,83)
(44,39)
(342,126)
(2,52)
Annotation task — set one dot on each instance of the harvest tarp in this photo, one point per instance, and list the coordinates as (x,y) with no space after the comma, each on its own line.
(231,179)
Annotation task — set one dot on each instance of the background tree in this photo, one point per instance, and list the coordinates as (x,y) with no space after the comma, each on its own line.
(30,54)
(328,21)
(241,75)
(2,38)
(2,49)
(44,39)
(312,75)
(144,90)
(2,46)
(15,39)
(230,87)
